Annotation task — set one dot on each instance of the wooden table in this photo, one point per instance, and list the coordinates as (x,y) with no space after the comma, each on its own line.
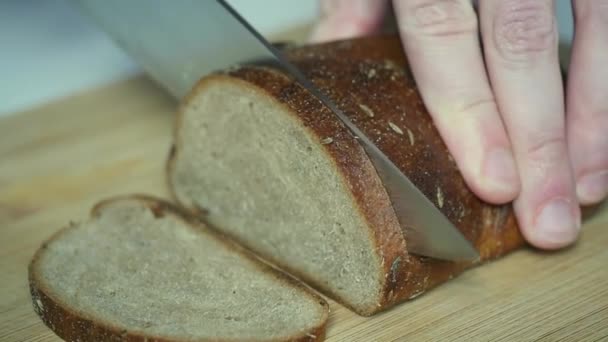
(58,160)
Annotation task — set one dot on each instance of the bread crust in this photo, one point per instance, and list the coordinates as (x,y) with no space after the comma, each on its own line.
(370,81)
(71,325)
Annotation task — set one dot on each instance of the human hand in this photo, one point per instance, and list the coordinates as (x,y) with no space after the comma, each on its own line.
(502,111)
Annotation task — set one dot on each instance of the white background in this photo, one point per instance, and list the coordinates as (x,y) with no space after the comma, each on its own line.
(49,51)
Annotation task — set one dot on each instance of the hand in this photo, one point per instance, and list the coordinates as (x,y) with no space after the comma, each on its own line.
(513,132)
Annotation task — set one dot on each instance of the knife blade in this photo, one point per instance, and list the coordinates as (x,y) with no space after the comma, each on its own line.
(178,42)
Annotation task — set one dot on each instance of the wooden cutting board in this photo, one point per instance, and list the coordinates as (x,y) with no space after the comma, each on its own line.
(58,160)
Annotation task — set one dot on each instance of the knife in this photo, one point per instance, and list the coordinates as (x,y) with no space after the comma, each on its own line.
(178,42)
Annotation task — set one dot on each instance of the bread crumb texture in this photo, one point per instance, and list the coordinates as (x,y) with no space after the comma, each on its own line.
(141,272)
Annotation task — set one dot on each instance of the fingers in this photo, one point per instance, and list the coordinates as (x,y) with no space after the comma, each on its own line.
(441,41)
(520,41)
(341,19)
(587,100)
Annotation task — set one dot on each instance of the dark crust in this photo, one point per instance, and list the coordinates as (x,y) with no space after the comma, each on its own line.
(71,325)
(373,72)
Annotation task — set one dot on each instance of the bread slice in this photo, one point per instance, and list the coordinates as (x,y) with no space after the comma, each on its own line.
(267,164)
(141,270)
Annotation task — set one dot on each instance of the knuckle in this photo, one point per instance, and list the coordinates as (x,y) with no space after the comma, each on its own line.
(470,106)
(596,117)
(329,7)
(477,105)
(547,148)
(591,10)
(469,100)
(438,18)
(590,132)
(524,30)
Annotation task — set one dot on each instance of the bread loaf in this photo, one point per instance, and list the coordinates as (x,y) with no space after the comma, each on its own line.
(267,164)
(141,270)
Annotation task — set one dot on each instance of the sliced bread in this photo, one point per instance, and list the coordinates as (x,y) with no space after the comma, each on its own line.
(141,270)
(267,164)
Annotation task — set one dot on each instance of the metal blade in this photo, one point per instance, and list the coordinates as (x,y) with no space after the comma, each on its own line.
(178,42)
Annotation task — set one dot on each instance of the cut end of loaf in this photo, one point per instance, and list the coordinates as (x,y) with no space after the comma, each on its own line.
(139,269)
(260,175)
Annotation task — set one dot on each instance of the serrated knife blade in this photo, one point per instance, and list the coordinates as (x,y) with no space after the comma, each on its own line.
(178,42)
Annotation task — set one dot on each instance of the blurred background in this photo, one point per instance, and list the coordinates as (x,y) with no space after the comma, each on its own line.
(49,51)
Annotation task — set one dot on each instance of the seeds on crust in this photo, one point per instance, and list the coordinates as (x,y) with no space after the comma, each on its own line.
(439,197)
(371,73)
(39,304)
(395,128)
(415,294)
(327,141)
(411,136)
(367,110)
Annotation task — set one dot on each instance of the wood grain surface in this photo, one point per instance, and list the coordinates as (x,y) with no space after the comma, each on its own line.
(58,160)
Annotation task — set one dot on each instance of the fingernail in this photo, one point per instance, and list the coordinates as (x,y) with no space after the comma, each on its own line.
(500,168)
(592,188)
(558,223)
